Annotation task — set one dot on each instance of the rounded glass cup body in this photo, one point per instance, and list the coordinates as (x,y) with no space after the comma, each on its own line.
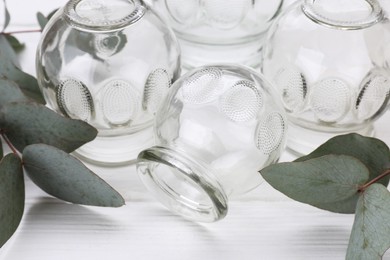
(218,126)
(212,31)
(109,63)
(330,62)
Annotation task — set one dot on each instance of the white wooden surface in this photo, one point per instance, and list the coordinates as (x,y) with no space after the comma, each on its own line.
(262,224)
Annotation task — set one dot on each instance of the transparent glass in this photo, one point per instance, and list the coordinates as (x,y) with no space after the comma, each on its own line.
(109,63)
(330,61)
(212,31)
(218,126)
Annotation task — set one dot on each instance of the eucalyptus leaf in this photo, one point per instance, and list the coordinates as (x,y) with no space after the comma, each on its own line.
(7,54)
(9,69)
(10,92)
(370,237)
(324,182)
(372,152)
(11,196)
(15,43)
(28,123)
(42,20)
(346,206)
(7,17)
(66,178)
(27,83)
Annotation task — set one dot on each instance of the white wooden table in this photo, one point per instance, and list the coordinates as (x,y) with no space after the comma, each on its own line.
(262,224)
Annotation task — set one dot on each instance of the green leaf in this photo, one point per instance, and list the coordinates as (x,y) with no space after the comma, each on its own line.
(7,17)
(15,43)
(370,237)
(42,20)
(7,54)
(346,206)
(323,182)
(9,69)
(27,83)
(11,196)
(66,178)
(10,92)
(372,152)
(28,123)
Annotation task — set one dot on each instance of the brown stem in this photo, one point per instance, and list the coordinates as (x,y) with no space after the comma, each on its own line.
(23,31)
(383,175)
(8,142)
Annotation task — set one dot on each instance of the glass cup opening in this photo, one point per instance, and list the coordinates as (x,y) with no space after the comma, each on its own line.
(101,16)
(182,185)
(345,14)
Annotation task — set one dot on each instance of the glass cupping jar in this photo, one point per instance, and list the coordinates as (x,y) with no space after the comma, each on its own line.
(330,61)
(109,63)
(218,126)
(212,31)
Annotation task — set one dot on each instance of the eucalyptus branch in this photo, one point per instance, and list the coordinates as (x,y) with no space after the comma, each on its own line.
(368,184)
(27,125)
(8,142)
(22,31)
(318,179)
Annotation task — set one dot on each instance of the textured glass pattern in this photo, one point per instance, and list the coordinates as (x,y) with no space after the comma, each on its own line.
(242,102)
(270,133)
(372,96)
(330,99)
(292,85)
(120,103)
(74,99)
(156,86)
(202,87)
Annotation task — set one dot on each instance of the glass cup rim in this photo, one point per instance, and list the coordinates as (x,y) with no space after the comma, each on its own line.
(83,23)
(376,15)
(191,170)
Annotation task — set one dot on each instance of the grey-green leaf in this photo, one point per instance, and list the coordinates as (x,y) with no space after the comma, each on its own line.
(66,178)
(27,83)
(7,17)
(7,54)
(370,237)
(372,152)
(16,45)
(28,123)
(42,20)
(10,92)
(9,69)
(323,182)
(346,206)
(11,196)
